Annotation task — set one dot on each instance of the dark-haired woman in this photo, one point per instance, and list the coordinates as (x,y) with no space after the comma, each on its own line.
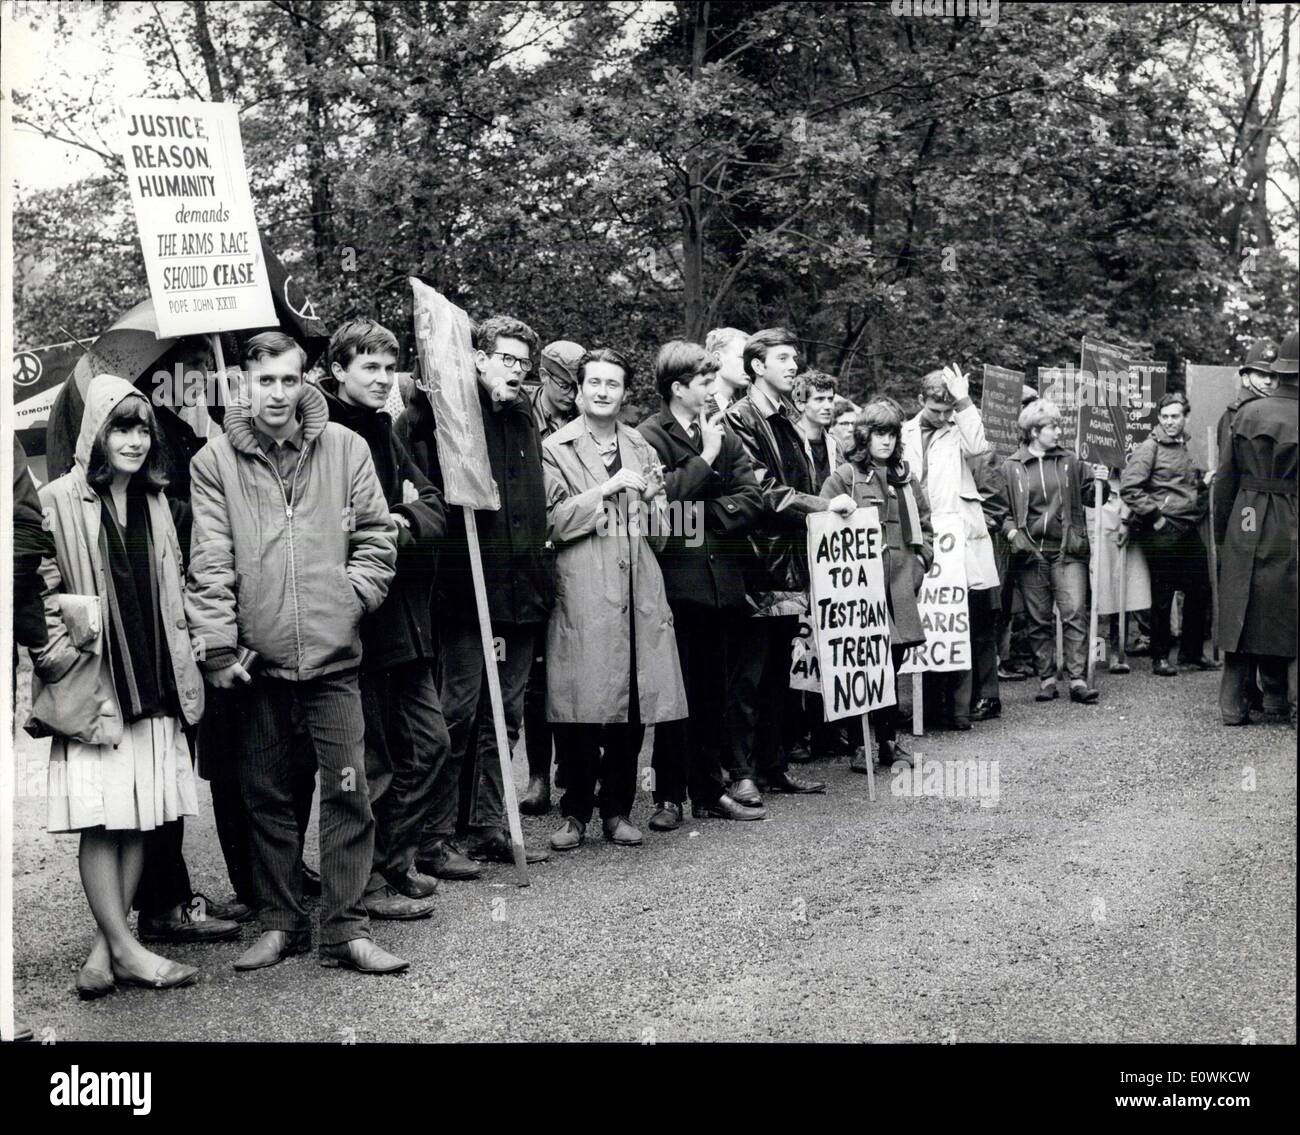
(876,474)
(117,681)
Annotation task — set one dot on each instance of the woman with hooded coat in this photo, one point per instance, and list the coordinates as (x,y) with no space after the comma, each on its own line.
(116,683)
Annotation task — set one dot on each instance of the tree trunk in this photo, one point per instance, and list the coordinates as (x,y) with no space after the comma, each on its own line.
(203,36)
(692,201)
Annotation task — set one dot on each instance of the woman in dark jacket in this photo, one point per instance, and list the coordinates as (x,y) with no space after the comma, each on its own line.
(876,474)
(1048,534)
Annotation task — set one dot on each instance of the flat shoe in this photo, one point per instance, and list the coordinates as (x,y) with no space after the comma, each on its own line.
(568,837)
(621,832)
(169,975)
(93,983)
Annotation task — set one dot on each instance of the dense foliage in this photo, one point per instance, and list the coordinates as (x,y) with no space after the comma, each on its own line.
(902,191)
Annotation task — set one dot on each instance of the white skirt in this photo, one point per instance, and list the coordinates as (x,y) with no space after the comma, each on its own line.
(145,780)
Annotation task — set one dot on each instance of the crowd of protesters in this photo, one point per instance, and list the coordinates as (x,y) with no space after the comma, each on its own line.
(294,602)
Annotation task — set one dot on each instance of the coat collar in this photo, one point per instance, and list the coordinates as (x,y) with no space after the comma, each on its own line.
(313,412)
(575,434)
(668,420)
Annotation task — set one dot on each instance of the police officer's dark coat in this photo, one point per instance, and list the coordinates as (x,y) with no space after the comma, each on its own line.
(1255,526)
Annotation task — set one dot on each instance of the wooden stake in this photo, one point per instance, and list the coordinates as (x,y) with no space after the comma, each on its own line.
(1096,581)
(867,739)
(1212,549)
(918,706)
(1120,665)
(220,360)
(498,706)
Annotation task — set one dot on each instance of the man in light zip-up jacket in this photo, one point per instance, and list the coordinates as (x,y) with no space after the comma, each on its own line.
(1167,494)
(292,543)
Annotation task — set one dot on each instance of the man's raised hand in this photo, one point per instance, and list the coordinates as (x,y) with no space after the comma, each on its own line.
(957,383)
(710,436)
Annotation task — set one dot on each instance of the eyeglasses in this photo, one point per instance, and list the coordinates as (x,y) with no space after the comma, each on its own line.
(514,362)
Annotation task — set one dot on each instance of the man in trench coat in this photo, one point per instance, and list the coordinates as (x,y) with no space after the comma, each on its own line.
(1255,525)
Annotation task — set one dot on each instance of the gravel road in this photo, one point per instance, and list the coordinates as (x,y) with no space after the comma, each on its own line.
(1133,882)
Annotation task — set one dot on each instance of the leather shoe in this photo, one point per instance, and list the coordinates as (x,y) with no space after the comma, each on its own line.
(1010,674)
(233,911)
(390,905)
(446,861)
(569,836)
(169,975)
(1047,692)
(1201,663)
(362,955)
(745,792)
(310,881)
(667,818)
(725,808)
(958,724)
(414,885)
(179,925)
(537,800)
(496,848)
(792,784)
(1084,695)
(986,708)
(800,753)
(618,830)
(859,762)
(893,753)
(93,983)
(273,947)
(1162,669)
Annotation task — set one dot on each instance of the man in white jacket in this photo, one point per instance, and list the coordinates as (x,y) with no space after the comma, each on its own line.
(940,443)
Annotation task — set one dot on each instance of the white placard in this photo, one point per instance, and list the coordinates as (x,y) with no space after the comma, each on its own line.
(849,611)
(942,603)
(184,162)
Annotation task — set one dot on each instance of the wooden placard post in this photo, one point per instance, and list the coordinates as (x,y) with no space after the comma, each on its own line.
(1211,545)
(1120,665)
(918,706)
(1096,581)
(494,695)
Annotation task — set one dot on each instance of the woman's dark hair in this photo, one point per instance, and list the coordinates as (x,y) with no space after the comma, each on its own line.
(130,411)
(680,361)
(882,416)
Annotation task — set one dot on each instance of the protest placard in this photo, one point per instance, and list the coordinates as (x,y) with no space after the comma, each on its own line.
(1103,395)
(1149,379)
(850,613)
(1055,385)
(805,673)
(942,604)
(1000,408)
(184,165)
(447,374)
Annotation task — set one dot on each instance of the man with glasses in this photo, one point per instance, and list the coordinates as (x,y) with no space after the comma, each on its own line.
(555,404)
(519,578)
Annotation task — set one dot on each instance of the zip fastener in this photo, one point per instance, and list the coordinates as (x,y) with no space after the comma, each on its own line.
(288,512)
